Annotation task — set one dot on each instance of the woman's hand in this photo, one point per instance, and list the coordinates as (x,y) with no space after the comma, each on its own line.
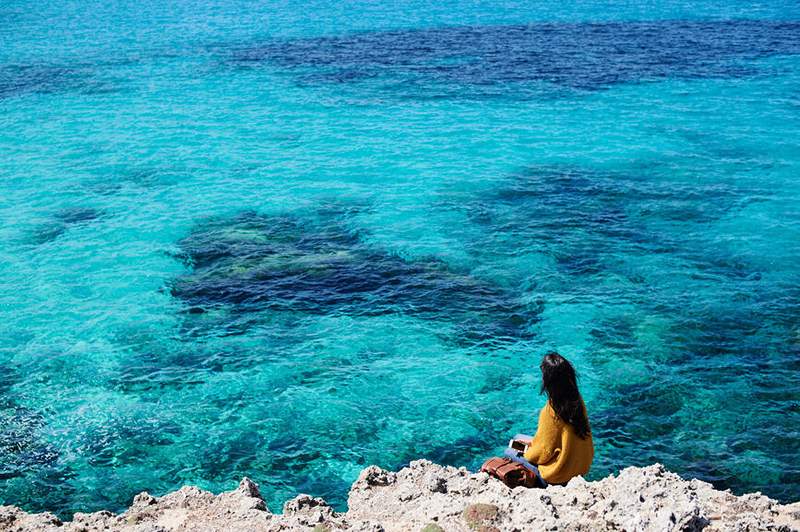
(523,438)
(519,445)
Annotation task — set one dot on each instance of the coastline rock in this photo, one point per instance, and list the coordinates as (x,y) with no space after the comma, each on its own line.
(432,498)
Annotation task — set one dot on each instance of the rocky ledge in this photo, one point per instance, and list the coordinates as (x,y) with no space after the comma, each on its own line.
(427,497)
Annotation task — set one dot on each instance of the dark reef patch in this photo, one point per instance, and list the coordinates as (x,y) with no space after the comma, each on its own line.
(77,215)
(63,220)
(253,263)
(21,448)
(587,219)
(19,80)
(485,59)
(121,441)
(135,178)
(8,377)
(150,372)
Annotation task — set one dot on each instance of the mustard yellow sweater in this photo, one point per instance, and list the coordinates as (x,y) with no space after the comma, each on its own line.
(557,450)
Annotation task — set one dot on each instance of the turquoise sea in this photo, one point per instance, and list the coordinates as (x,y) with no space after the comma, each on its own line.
(288,240)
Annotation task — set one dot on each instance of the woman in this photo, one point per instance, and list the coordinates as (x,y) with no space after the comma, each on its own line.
(562,447)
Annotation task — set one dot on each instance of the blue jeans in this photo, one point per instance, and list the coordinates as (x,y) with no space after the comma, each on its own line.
(516,456)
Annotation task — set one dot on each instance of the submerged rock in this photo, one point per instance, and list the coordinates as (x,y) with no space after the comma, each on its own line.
(255,263)
(62,221)
(582,56)
(429,497)
(21,447)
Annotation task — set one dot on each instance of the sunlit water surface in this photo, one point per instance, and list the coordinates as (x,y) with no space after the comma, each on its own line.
(288,241)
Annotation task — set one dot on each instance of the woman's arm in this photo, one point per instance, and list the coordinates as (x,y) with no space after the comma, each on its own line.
(547,438)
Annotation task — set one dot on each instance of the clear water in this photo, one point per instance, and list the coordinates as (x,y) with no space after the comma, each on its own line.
(290,240)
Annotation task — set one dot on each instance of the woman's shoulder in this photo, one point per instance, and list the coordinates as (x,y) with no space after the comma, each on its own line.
(550,412)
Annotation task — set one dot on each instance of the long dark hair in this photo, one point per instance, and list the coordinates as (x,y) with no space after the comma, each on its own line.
(561,385)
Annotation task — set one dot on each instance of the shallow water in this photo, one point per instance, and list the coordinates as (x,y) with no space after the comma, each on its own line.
(288,242)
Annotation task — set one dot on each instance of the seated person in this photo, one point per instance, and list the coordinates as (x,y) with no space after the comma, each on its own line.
(562,447)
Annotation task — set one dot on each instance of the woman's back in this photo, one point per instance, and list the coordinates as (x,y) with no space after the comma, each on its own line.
(558,450)
(563,446)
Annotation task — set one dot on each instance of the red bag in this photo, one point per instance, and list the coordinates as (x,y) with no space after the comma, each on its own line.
(511,473)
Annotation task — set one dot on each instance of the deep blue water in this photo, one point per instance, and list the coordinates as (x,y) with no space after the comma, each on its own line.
(288,241)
